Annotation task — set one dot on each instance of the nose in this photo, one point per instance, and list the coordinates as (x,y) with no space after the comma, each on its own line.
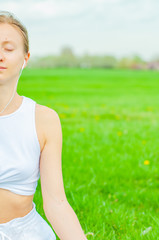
(4,236)
(1,56)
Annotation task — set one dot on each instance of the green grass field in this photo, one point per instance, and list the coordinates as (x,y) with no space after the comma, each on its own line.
(110,154)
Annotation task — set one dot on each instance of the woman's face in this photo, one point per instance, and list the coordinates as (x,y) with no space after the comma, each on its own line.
(11,52)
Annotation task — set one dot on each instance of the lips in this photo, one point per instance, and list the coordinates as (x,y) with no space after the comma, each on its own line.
(2,68)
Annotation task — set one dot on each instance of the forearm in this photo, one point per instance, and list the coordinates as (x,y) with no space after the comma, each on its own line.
(64,221)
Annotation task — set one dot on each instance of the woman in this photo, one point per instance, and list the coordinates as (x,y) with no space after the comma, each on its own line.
(30,147)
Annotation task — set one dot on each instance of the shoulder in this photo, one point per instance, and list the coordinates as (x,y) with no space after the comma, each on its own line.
(49,121)
(46,114)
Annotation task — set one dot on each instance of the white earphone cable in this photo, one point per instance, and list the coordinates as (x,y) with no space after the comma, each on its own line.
(14,89)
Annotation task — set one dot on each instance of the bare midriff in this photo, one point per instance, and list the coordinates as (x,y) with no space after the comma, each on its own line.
(13,205)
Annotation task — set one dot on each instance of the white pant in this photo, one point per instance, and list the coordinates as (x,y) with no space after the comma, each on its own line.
(30,227)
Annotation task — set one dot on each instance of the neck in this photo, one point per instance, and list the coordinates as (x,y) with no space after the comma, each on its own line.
(8,100)
(8,96)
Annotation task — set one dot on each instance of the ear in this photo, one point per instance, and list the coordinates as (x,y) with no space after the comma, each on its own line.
(27,56)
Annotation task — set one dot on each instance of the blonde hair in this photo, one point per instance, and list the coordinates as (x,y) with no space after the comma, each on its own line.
(8,17)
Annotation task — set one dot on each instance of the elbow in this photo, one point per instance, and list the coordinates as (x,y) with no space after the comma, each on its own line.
(54,204)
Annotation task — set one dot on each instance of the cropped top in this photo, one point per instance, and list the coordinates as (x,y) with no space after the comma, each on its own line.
(19,150)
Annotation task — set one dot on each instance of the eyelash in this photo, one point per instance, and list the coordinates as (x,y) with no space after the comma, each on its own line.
(9,49)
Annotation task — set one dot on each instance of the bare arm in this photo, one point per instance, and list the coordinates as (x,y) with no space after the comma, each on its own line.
(56,207)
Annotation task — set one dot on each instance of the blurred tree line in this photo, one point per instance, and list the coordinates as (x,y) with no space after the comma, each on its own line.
(67,58)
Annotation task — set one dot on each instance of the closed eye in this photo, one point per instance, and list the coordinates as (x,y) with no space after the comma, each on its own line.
(9,49)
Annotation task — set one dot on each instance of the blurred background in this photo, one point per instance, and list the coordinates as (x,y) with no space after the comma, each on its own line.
(92,33)
(96,63)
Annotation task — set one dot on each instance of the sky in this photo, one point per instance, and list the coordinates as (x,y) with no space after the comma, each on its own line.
(97,27)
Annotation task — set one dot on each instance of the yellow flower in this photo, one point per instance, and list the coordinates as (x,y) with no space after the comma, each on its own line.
(109,195)
(117,117)
(149,109)
(62,115)
(146,162)
(86,105)
(119,133)
(81,129)
(97,117)
(103,105)
(73,114)
(66,106)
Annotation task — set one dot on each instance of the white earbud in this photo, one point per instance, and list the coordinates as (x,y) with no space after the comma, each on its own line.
(23,64)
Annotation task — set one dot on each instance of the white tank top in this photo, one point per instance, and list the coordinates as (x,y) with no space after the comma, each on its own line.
(19,150)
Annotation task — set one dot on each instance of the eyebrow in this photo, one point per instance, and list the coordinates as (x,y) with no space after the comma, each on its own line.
(8,41)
